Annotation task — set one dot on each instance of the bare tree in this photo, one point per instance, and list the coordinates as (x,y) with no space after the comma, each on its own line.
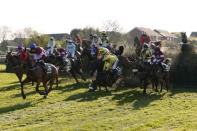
(110,25)
(5,33)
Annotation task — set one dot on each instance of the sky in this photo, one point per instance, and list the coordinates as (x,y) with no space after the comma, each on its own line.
(61,16)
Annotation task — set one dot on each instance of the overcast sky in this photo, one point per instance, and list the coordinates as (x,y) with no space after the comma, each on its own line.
(56,16)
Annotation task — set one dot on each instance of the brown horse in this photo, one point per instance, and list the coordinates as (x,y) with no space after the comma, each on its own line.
(159,76)
(152,73)
(35,73)
(18,67)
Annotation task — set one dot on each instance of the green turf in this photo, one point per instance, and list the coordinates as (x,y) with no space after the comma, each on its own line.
(71,107)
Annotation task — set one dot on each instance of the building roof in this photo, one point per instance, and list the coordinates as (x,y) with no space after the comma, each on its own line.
(193,34)
(148,31)
(58,36)
(165,33)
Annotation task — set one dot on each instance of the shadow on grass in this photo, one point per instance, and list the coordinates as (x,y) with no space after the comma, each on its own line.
(71,87)
(27,94)
(14,85)
(139,100)
(88,96)
(183,89)
(14,107)
(10,87)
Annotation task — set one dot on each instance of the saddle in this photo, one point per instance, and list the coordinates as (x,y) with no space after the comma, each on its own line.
(66,64)
(46,67)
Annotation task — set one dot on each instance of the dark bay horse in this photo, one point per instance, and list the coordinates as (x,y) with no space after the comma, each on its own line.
(108,78)
(68,65)
(151,73)
(159,76)
(17,65)
(35,73)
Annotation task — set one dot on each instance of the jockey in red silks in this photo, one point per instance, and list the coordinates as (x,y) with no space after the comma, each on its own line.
(144,39)
(78,40)
(62,52)
(21,52)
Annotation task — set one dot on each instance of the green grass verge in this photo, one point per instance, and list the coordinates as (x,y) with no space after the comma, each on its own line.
(71,107)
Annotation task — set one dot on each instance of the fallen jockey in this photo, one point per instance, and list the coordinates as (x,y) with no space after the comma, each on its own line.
(109,71)
(110,64)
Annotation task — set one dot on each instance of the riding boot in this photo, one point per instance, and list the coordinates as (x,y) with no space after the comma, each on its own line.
(43,66)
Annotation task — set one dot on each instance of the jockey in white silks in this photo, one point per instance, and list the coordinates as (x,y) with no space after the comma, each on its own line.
(50,47)
(70,48)
(96,42)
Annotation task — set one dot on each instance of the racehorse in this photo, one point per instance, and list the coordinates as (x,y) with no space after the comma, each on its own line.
(88,60)
(154,73)
(160,76)
(18,67)
(36,73)
(103,78)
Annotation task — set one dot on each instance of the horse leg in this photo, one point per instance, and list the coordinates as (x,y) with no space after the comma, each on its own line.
(106,89)
(22,85)
(153,85)
(37,88)
(46,89)
(161,82)
(57,81)
(144,86)
(32,83)
(99,88)
(81,74)
(73,74)
(19,76)
(156,85)
(51,84)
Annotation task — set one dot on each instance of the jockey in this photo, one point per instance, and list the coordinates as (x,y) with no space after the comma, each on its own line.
(102,52)
(71,48)
(105,39)
(144,39)
(50,46)
(146,54)
(120,51)
(62,52)
(111,62)
(96,42)
(184,37)
(91,37)
(157,57)
(39,52)
(78,42)
(20,48)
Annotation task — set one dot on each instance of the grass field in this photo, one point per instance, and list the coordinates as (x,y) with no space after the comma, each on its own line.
(71,107)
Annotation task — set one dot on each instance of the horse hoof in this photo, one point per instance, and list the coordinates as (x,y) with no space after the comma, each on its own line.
(90,90)
(24,97)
